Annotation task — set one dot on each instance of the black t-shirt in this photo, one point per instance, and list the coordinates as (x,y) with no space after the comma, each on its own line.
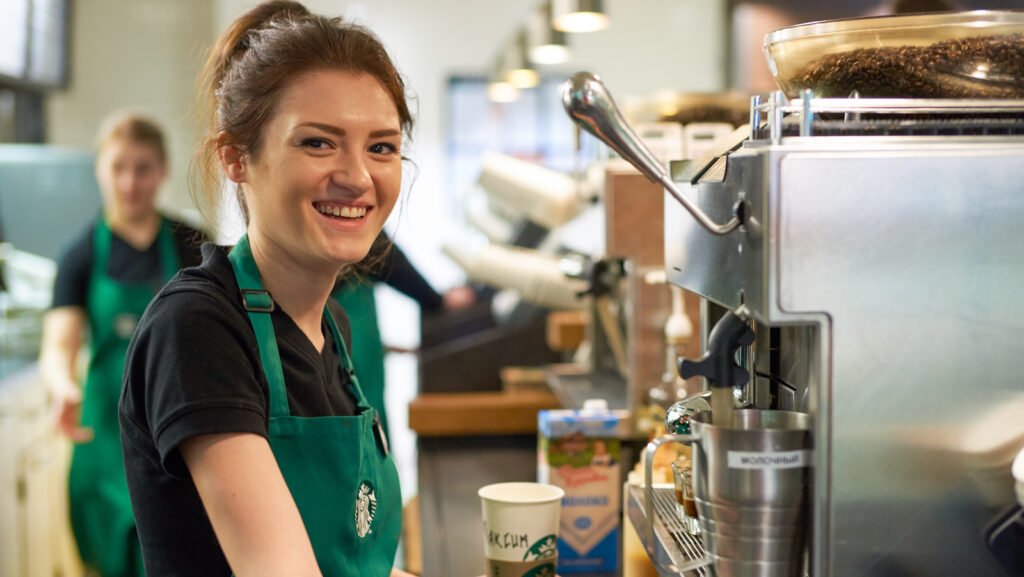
(193,369)
(126,263)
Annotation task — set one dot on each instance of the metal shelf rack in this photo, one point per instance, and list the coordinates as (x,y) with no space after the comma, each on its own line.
(674,552)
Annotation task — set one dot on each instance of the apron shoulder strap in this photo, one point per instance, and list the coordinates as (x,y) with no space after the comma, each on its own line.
(167,248)
(100,247)
(258,305)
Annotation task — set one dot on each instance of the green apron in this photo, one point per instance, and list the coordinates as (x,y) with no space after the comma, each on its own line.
(358,300)
(337,469)
(101,512)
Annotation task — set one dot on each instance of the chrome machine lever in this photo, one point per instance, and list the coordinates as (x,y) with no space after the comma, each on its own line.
(588,103)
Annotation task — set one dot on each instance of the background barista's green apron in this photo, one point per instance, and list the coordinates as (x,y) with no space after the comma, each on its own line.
(358,300)
(337,469)
(101,512)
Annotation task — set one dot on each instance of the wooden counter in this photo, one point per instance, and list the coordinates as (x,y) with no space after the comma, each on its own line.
(478,413)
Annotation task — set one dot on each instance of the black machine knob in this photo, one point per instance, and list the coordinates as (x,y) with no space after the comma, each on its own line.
(718,365)
(1004,537)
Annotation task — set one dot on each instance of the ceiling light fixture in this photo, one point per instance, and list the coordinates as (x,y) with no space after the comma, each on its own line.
(547,44)
(578,15)
(499,89)
(521,73)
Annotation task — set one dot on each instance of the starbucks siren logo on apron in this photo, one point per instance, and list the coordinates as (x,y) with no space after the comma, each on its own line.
(124,325)
(366,508)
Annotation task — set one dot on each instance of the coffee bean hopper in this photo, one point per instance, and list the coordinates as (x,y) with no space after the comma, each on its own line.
(867,227)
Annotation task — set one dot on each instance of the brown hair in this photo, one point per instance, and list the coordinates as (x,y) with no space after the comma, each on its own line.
(135,128)
(256,59)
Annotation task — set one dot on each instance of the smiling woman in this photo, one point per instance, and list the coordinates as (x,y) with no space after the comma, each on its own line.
(328,172)
(248,441)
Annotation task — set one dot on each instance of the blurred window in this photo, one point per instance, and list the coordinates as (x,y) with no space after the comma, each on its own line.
(534,127)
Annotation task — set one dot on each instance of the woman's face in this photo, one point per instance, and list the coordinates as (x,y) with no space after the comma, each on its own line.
(328,171)
(130,175)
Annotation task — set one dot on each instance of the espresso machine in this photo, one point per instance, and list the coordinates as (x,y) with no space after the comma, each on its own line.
(874,247)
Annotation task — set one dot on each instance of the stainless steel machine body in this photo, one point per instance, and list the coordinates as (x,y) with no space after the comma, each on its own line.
(882,272)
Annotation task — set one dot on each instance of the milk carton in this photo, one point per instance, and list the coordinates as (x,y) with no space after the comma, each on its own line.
(579,452)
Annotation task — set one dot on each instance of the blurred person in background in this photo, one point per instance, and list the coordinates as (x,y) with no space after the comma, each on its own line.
(106,276)
(389,265)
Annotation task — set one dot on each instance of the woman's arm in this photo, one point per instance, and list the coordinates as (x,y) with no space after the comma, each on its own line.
(399,273)
(252,512)
(63,334)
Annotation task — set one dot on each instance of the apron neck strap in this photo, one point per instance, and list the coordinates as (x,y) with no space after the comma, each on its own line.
(258,305)
(346,360)
(101,246)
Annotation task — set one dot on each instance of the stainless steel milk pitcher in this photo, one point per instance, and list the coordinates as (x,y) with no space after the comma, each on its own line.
(751,490)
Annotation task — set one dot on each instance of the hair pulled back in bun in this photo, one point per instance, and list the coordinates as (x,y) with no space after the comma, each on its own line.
(256,59)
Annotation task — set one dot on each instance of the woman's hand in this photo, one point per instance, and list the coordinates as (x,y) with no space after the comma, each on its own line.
(396,572)
(458,297)
(63,334)
(68,413)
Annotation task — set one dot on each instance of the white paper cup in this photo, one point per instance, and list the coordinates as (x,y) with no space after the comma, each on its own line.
(521,521)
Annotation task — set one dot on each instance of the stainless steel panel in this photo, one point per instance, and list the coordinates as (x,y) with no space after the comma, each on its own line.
(718,267)
(890,267)
(915,256)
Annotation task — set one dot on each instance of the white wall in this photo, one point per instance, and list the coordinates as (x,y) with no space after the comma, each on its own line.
(137,54)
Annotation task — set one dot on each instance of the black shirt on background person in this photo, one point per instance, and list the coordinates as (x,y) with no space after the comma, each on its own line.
(127,264)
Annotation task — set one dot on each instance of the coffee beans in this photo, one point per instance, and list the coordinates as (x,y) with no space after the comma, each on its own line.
(709,113)
(975,67)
